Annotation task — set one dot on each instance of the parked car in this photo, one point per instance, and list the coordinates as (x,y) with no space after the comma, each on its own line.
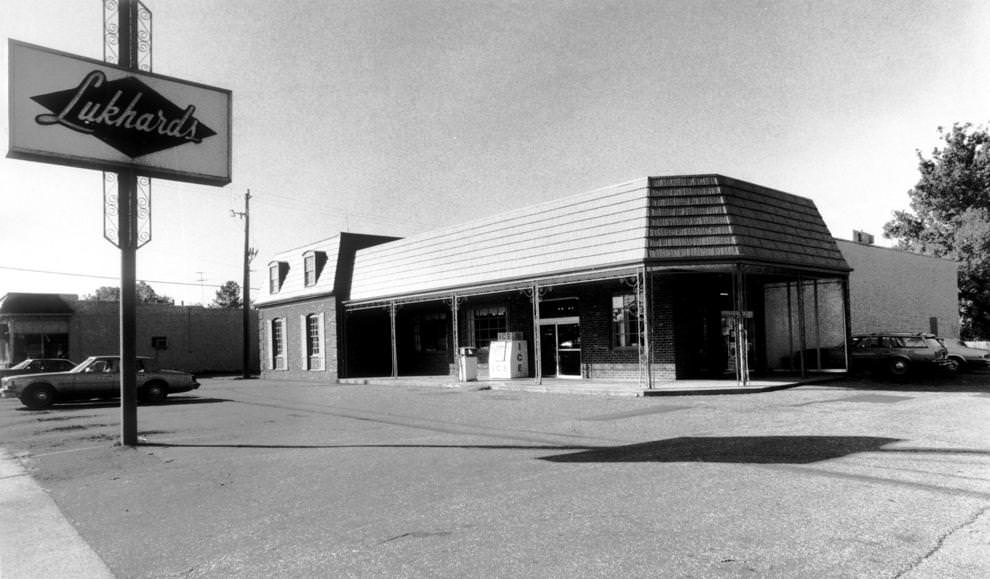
(897,353)
(37,366)
(962,357)
(96,377)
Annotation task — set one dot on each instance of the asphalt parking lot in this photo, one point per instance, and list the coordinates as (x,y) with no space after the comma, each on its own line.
(249,478)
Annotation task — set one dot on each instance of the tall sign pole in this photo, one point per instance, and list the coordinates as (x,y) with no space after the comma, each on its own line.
(122,119)
(127,227)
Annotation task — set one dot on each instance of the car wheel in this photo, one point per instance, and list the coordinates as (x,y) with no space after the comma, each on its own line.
(898,367)
(954,365)
(154,393)
(38,396)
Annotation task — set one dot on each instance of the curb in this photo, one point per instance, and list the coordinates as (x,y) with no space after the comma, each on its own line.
(38,541)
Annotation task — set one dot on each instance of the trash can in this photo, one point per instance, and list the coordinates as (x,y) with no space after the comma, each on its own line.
(467,364)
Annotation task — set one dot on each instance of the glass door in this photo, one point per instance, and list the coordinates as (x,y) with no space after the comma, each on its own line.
(560,349)
(568,351)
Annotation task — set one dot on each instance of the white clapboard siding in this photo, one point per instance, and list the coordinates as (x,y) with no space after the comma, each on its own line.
(598,229)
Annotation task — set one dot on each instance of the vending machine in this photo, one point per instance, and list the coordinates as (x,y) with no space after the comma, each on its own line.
(507,358)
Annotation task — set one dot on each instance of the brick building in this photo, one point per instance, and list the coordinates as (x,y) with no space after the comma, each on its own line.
(658,279)
(300,312)
(191,338)
(893,290)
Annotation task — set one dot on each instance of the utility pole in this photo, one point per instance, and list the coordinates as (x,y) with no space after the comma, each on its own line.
(246,287)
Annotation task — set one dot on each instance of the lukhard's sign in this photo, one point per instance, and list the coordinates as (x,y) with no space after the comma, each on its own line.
(70,110)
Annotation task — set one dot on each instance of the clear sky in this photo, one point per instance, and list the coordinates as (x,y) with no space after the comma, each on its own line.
(392,117)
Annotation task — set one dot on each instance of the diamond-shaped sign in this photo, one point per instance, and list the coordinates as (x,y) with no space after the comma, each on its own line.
(126,114)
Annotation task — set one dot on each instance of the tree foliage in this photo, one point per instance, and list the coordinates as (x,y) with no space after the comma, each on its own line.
(950,218)
(228,296)
(145,294)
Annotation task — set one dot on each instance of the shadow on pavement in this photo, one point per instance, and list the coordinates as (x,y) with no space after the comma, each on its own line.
(977,382)
(91,404)
(733,449)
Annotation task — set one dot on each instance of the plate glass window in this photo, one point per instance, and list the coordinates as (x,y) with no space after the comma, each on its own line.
(488,324)
(625,321)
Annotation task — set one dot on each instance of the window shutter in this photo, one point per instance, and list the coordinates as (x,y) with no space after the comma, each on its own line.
(323,341)
(267,351)
(304,343)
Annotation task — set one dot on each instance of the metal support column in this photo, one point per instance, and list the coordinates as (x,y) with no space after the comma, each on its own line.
(790,329)
(645,348)
(395,348)
(537,346)
(456,336)
(742,335)
(818,327)
(802,328)
(846,321)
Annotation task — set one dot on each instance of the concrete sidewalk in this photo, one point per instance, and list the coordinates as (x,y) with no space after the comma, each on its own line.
(36,540)
(600,387)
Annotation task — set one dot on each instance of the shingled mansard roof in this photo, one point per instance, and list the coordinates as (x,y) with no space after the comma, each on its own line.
(677,222)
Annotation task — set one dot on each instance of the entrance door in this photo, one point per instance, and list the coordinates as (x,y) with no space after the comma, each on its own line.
(560,349)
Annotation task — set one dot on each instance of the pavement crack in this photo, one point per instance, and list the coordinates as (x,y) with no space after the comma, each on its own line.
(416,535)
(940,542)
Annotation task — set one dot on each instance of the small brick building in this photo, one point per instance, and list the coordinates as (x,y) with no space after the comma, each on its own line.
(658,279)
(191,338)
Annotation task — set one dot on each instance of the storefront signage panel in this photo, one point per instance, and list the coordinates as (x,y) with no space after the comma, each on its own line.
(70,110)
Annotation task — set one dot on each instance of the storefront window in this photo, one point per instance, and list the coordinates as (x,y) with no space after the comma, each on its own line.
(488,323)
(430,332)
(626,321)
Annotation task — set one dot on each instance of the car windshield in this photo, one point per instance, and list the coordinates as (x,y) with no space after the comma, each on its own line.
(21,365)
(83,365)
(103,364)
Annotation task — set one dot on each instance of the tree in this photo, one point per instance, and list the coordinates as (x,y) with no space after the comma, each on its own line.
(228,296)
(950,218)
(145,295)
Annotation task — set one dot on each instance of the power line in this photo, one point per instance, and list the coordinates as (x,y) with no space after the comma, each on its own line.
(110,277)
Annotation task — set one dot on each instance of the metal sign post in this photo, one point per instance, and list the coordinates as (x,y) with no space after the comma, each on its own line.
(121,118)
(127,233)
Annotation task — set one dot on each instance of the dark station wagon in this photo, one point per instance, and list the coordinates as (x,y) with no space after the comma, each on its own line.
(897,353)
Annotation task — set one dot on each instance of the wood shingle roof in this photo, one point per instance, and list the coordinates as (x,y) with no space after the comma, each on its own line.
(706,218)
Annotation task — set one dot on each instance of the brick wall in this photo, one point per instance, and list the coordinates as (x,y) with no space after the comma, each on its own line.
(296,361)
(197,339)
(893,290)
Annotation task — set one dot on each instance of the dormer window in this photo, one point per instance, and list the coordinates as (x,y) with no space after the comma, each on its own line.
(313,262)
(276,275)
